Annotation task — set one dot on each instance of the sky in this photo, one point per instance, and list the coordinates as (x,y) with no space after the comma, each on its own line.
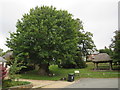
(99,17)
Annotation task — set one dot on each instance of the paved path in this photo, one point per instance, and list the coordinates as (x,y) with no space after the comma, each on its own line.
(95,83)
(48,84)
(82,83)
(38,83)
(59,84)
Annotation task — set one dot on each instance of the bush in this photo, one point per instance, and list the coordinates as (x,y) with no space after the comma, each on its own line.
(80,63)
(77,63)
(28,68)
(67,65)
(15,68)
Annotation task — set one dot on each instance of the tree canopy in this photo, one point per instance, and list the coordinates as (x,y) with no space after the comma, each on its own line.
(106,50)
(116,46)
(46,35)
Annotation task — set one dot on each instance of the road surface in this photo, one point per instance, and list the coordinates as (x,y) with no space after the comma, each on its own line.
(95,83)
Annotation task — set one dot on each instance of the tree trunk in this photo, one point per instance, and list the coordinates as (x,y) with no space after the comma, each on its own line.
(36,67)
(43,69)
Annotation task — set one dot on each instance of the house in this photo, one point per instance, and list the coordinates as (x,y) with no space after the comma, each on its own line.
(91,57)
(8,55)
(2,60)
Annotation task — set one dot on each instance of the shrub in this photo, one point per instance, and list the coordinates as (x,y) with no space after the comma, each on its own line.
(15,68)
(78,63)
(28,68)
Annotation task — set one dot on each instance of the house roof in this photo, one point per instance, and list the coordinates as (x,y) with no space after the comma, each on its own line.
(2,59)
(102,57)
(8,54)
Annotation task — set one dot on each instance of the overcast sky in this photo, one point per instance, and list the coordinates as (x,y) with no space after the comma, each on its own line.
(99,17)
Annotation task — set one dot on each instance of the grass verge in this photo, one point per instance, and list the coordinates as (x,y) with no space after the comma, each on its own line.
(9,83)
(84,73)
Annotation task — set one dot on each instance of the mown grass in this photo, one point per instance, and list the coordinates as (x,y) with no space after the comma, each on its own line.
(87,72)
(9,83)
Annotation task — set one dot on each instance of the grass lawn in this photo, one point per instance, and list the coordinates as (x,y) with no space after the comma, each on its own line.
(9,83)
(87,72)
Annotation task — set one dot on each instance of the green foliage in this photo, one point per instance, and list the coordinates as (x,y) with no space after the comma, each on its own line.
(106,50)
(116,46)
(46,35)
(86,44)
(8,83)
(15,68)
(1,52)
(80,63)
(87,72)
(43,34)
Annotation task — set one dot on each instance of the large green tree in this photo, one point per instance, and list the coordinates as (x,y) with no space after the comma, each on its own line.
(85,46)
(45,35)
(116,46)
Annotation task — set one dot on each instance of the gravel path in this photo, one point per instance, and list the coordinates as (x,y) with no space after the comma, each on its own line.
(95,83)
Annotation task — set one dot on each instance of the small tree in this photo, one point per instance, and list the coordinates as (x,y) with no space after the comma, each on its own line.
(14,69)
